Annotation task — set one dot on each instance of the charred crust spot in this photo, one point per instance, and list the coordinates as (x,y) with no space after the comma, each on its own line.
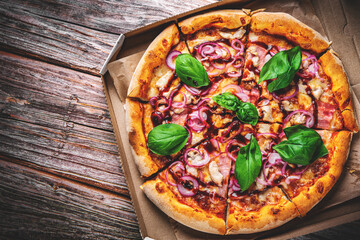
(275,211)
(320,187)
(345,103)
(164,42)
(159,188)
(242,20)
(332,177)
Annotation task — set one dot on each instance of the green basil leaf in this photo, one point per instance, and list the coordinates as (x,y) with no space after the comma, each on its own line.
(248,164)
(167,139)
(247,113)
(191,71)
(304,145)
(227,100)
(282,66)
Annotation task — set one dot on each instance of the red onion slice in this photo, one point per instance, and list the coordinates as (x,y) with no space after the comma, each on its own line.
(197,91)
(200,103)
(191,186)
(218,65)
(215,143)
(180,104)
(234,74)
(228,130)
(309,122)
(240,92)
(291,178)
(204,158)
(273,135)
(176,167)
(229,145)
(240,48)
(203,115)
(274,158)
(170,59)
(286,97)
(194,122)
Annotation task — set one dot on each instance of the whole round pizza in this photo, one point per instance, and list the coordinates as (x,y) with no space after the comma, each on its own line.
(239,121)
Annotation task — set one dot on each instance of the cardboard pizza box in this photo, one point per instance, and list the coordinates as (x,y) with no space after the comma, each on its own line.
(338,21)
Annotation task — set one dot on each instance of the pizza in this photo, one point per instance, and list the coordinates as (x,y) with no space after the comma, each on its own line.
(239,121)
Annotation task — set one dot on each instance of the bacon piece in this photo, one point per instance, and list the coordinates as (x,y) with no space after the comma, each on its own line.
(325,114)
(224,167)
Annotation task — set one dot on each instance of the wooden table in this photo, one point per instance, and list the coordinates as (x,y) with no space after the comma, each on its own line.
(60,174)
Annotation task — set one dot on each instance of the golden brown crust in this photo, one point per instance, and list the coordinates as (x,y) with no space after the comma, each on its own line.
(308,198)
(268,217)
(154,56)
(334,69)
(229,19)
(163,198)
(285,25)
(134,124)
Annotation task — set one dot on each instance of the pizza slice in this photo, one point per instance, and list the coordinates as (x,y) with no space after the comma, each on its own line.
(155,71)
(193,189)
(306,185)
(314,98)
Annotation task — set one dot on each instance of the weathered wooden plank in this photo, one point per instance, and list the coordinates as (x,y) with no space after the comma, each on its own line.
(77,34)
(51,40)
(55,119)
(37,205)
(110,16)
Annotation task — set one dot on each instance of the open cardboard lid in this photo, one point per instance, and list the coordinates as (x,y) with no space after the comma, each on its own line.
(335,209)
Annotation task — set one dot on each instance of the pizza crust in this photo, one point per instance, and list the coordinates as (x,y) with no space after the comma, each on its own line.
(334,69)
(229,19)
(285,25)
(154,56)
(268,217)
(340,148)
(159,193)
(134,125)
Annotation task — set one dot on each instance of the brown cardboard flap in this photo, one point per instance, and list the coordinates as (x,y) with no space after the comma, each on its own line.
(332,210)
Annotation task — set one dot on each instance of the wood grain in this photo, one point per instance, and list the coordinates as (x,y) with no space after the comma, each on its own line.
(37,205)
(77,34)
(56,120)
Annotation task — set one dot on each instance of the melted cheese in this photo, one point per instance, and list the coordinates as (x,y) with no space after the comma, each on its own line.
(238,34)
(192,171)
(267,113)
(317,87)
(164,80)
(215,174)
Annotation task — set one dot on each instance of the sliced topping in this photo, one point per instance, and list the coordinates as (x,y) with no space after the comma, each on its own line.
(170,59)
(194,158)
(215,174)
(164,80)
(325,114)
(317,87)
(187,186)
(192,171)
(299,117)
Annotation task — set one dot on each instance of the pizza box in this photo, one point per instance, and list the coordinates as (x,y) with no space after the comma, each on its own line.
(336,20)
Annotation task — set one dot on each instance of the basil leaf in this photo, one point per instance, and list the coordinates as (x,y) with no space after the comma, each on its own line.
(304,145)
(282,66)
(191,71)
(167,139)
(248,164)
(247,113)
(227,100)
